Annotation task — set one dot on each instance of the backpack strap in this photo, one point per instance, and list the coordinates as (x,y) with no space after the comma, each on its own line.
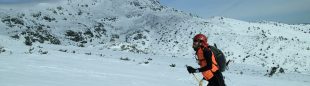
(208,54)
(211,48)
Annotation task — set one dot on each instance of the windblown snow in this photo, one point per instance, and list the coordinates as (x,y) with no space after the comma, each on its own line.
(141,43)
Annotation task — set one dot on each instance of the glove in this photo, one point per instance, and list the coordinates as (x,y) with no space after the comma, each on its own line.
(190,69)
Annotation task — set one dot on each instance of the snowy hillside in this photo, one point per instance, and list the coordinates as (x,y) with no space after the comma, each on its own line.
(91,30)
(70,65)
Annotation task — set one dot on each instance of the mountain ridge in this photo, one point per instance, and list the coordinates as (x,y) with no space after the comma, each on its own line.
(145,26)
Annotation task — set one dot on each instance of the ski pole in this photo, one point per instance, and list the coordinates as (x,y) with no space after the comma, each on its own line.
(200,82)
(195,77)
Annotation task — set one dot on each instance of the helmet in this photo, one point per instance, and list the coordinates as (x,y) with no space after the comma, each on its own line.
(200,40)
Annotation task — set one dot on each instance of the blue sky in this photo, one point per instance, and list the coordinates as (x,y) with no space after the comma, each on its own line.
(287,11)
(2,2)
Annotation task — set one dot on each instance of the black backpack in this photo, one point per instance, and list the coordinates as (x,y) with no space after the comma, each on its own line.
(219,57)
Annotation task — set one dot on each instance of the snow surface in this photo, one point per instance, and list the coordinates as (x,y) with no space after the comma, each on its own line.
(87,42)
(59,68)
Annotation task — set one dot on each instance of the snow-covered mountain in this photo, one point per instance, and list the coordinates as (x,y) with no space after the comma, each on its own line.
(146,27)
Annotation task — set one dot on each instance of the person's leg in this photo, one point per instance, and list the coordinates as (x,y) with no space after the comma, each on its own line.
(220,78)
(212,81)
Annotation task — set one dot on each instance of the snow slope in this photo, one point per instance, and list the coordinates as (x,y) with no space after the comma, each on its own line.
(73,39)
(105,67)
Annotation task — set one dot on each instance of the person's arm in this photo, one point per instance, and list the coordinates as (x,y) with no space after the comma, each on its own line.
(205,68)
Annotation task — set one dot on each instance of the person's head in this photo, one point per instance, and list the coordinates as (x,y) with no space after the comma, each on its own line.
(200,41)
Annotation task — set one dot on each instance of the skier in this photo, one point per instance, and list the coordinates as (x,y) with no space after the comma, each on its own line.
(207,62)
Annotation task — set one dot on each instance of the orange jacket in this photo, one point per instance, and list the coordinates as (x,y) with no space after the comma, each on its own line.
(208,74)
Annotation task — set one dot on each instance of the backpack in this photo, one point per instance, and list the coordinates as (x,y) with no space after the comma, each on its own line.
(219,57)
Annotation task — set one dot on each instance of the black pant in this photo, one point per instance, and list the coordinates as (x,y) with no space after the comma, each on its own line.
(217,80)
